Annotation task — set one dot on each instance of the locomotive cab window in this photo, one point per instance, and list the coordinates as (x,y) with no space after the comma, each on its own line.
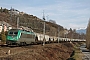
(12,33)
(15,33)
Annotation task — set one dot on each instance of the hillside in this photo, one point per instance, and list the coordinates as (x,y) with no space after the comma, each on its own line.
(54,51)
(30,21)
(36,24)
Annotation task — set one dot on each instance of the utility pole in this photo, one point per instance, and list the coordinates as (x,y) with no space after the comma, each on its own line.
(17,22)
(11,15)
(58,34)
(44,29)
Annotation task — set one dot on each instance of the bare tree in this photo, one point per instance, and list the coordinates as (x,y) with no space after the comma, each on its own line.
(88,35)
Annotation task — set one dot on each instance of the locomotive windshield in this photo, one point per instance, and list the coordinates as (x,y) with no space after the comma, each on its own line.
(12,33)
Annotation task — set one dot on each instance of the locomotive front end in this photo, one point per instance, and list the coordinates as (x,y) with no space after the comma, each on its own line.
(12,36)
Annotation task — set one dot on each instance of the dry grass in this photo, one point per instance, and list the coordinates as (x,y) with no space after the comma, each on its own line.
(78,54)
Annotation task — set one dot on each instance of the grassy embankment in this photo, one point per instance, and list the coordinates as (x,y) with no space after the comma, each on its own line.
(77,54)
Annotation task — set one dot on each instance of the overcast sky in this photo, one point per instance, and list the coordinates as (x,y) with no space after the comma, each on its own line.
(67,13)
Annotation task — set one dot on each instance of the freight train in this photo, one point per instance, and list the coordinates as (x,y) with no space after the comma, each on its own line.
(23,37)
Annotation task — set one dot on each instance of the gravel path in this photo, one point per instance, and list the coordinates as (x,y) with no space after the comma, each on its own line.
(86,52)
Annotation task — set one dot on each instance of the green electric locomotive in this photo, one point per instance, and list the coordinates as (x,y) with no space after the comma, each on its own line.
(21,37)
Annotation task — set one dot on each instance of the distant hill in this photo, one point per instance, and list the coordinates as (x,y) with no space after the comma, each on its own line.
(81,31)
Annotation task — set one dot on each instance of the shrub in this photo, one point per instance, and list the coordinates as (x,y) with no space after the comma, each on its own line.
(3,37)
